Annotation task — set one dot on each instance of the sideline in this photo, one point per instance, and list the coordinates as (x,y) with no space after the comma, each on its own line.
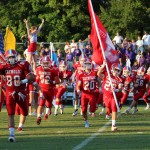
(93,136)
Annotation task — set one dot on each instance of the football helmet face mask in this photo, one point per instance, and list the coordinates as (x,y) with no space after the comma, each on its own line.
(126,71)
(87,65)
(62,66)
(141,71)
(82,59)
(116,69)
(11,56)
(46,62)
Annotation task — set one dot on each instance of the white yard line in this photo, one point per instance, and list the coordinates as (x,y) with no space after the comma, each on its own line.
(93,136)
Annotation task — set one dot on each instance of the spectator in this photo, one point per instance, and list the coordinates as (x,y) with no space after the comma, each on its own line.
(138,56)
(148,59)
(86,50)
(81,44)
(146,40)
(42,45)
(135,66)
(59,55)
(114,43)
(118,39)
(131,55)
(123,48)
(87,41)
(90,51)
(19,57)
(122,61)
(142,60)
(133,45)
(129,44)
(24,40)
(67,46)
(70,59)
(77,52)
(73,46)
(44,52)
(125,42)
(139,44)
(128,62)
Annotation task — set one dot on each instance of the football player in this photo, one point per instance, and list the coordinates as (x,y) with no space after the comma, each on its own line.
(17,74)
(140,82)
(78,66)
(86,86)
(127,80)
(147,93)
(107,89)
(61,88)
(45,77)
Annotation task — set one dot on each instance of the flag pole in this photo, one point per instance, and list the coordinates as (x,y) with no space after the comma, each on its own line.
(99,38)
(51,51)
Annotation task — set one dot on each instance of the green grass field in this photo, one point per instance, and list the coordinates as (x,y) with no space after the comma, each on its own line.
(64,132)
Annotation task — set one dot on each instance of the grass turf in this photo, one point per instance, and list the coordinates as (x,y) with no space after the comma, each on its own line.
(64,132)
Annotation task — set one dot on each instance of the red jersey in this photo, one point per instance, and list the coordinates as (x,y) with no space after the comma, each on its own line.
(44,76)
(126,82)
(14,73)
(65,76)
(78,69)
(141,82)
(106,86)
(88,81)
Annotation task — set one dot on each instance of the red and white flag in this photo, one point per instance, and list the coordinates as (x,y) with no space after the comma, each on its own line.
(101,42)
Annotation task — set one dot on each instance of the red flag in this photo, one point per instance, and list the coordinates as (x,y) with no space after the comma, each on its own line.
(105,44)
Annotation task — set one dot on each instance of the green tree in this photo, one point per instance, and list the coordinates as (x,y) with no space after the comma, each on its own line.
(128,17)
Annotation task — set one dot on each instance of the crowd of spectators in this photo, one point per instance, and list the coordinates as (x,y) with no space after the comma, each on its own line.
(132,53)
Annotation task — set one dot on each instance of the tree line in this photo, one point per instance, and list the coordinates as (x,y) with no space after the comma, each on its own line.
(69,19)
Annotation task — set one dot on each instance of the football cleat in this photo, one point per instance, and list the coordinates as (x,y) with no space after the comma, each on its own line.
(19,129)
(108,117)
(93,115)
(42,113)
(55,114)
(147,107)
(87,124)
(126,111)
(134,111)
(11,139)
(34,114)
(90,114)
(75,113)
(114,128)
(101,113)
(45,116)
(50,112)
(38,121)
(30,114)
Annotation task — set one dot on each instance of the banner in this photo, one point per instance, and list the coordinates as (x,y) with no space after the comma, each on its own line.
(102,46)
(9,40)
(106,44)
